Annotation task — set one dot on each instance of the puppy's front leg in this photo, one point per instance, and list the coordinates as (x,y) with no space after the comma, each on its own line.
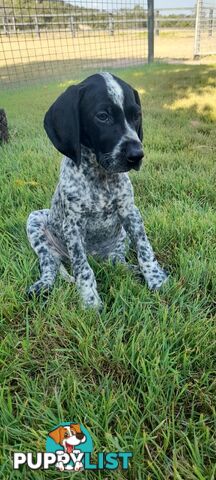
(84,275)
(154,275)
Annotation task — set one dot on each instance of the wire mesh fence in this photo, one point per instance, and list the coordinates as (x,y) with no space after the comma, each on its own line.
(174,33)
(52,38)
(43,39)
(205,28)
(186,33)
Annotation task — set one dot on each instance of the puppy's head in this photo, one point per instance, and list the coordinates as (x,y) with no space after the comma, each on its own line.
(102,113)
(68,436)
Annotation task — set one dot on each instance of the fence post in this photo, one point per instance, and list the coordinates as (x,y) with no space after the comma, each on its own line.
(111,24)
(125,25)
(150,31)
(37,30)
(5,25)
(211,19)
(157,23)
(14,24)
(72,26)
(197,39)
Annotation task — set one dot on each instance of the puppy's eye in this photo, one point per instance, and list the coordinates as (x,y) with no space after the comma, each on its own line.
(66,435)
(102,117)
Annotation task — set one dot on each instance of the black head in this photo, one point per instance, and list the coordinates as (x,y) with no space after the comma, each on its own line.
(102,113)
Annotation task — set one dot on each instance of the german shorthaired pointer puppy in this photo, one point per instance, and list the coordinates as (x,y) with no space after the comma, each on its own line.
(97,125)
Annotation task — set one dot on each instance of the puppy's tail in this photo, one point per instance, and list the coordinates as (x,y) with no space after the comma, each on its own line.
(59,249)
(56,244)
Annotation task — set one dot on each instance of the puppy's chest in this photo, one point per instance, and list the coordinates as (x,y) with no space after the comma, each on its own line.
(99,207)
(99,200)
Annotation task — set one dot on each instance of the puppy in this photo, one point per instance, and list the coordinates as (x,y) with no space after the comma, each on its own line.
(97,126)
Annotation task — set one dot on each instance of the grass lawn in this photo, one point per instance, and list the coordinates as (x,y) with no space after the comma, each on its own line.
(141,375)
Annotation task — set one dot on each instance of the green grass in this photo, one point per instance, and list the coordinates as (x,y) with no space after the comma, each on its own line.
(140,375)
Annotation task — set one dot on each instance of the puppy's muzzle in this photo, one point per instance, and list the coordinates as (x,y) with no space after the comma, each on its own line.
(134,155)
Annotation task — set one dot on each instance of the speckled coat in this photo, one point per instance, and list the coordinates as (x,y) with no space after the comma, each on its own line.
(92,212)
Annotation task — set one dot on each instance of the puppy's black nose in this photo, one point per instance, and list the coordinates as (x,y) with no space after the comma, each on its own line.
(134,154)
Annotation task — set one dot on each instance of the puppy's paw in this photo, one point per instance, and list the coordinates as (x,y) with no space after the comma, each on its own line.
(89,294)
(38,289)
(93,301)
(156,278)
(60,467)
(78,466)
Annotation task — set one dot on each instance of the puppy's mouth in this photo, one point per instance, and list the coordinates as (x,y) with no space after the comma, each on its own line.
(69,448)
(118,164)
(135,165)
(126,166)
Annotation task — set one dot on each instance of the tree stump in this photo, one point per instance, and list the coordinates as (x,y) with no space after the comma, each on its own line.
(4,135)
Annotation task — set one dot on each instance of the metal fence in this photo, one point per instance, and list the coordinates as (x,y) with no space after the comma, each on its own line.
(42,39)
(174,34)
(186,34)
(52,38)
(205,28)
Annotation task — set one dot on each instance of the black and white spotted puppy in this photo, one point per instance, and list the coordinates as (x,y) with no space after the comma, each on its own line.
(97,125)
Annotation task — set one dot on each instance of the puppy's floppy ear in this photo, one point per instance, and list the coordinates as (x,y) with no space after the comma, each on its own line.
(137,99)
(56,435)
(62,124)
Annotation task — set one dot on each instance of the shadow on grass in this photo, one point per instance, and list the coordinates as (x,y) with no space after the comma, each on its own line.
(35,72)
(178,87)
(175,87)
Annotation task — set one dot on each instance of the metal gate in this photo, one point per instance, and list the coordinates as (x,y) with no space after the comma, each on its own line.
(205,29)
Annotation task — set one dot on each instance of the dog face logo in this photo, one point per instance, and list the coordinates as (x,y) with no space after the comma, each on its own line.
(68,436)
(70,440)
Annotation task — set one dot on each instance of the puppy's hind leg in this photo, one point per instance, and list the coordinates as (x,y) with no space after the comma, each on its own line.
(49,260)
